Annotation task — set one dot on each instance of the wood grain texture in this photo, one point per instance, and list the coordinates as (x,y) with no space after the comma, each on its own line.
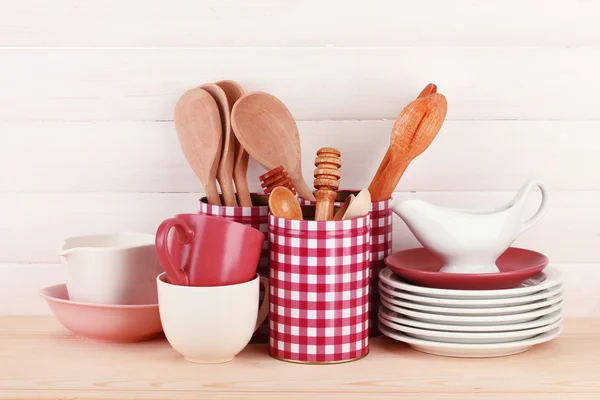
(200,134)
(40,359)
(227,156)
(568,233)
(21,283)
(415,128)
(149,23)
(361,83)
(473,156)
(266,128)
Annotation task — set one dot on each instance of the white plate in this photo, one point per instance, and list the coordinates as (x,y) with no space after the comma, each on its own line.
(548,278)
(472,319)
(470,350)
(473,311)
(470,303)
(399,319)
(469,337)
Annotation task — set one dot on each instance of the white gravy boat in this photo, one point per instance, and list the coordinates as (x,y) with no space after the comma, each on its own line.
(470,241)
(117,268)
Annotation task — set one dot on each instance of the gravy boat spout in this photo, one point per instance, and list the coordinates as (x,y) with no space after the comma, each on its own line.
(470,241)
(115,268)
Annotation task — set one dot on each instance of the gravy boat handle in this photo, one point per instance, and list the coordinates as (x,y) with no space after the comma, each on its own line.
(525,190)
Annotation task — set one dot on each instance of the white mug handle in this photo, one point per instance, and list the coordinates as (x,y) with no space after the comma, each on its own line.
(263,311)
(543,205)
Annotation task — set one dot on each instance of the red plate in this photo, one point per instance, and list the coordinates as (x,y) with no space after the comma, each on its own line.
(421,267)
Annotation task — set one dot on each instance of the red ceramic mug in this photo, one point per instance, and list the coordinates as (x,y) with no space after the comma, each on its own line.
(208,251)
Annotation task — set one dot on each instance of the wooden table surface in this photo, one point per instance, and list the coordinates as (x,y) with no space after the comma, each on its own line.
(40,359)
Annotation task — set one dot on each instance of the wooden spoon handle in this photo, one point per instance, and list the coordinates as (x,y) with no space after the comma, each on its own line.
(302,189)
(383,184)
(228,191)
(339,215)
(386,180)
(212,194)
(240,178)
(324,207)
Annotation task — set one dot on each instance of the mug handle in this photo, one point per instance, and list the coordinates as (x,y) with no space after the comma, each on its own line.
(263,311)
(186,236)
(543,205)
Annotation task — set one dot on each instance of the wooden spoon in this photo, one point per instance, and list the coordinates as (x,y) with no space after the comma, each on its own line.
(339,214)
(198,126)
(414,130)
(266,129)
(284,204)
(225,171)
(360,206)
(234,91)
(429,89)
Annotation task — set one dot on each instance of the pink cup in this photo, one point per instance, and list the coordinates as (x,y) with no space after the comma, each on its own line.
(208,251)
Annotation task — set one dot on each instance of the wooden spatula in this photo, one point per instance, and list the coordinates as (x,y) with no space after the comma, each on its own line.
(414,130)
(234,91)
(198,126)
(225,171)
(267,130)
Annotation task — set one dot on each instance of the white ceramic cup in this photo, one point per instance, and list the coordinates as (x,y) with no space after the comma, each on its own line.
(117,268)
(211,324)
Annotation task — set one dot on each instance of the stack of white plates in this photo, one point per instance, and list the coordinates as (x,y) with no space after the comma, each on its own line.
(472,323)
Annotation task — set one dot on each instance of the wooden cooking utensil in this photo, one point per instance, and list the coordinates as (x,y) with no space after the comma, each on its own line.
(225,171)
(284,204)
(414,130)
(234,91)
(360,206)
(327,176)
(266,129)
(339,214)
(275,178)
(429,89)
(198,126)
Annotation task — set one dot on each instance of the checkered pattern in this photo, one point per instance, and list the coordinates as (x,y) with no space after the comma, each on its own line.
(381,246)
(256,217)
(319,289)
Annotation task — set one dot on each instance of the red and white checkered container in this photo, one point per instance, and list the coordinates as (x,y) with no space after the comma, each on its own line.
(319,290)
(381,245)
(257,217)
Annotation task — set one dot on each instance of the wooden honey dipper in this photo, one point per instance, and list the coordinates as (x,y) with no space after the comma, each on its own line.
(327,176)
(274,178)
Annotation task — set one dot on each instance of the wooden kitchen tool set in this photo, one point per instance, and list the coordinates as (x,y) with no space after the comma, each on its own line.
(310,273)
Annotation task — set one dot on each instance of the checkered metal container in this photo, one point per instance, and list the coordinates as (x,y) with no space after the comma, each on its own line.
(381,245)
(319,290)
(257,217)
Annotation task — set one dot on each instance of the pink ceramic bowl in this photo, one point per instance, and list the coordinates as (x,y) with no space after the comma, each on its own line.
(104,322)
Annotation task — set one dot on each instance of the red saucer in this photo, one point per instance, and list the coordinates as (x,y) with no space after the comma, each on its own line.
(421,267)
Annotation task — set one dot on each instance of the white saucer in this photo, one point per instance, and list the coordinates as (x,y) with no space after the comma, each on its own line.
(548,278)
(470,350)
(470,303)
(472,319)
(473,311)
(469,337)
(399,319)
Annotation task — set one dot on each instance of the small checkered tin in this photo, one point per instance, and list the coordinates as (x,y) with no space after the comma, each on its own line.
(381,245)
(319,290)
(257,217)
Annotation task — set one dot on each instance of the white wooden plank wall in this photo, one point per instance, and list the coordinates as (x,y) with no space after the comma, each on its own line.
(87,90)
